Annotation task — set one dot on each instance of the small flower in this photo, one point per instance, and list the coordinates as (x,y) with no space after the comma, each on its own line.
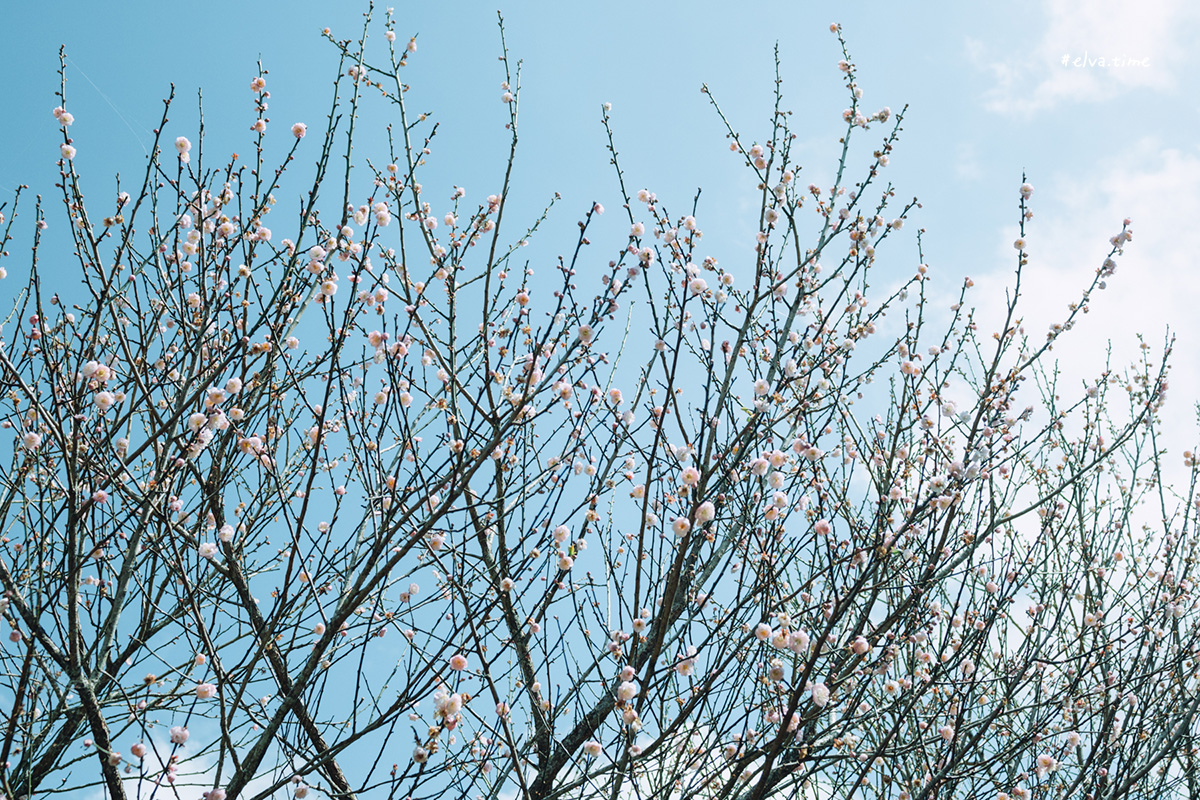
(1026,190)
(206,691)
(592,748)
(458,662)
(258,84)
(299,129)
(68,152)
(820,694)
(179,734)
(207,550)
(31,440)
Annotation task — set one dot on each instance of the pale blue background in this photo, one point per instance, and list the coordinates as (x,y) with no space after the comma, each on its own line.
(988,95)
(649,59)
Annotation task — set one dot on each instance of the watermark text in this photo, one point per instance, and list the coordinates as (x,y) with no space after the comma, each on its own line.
(1088,60)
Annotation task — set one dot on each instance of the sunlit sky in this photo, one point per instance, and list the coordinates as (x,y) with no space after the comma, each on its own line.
(988,93)
(989,99)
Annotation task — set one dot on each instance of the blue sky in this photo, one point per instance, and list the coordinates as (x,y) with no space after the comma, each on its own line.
(988,94)
(989,98)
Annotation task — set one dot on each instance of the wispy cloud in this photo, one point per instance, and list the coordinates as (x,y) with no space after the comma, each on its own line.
(1109,47)
(966,162)
(1156,284)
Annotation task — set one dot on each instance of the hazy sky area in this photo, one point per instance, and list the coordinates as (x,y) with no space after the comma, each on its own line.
(988,96)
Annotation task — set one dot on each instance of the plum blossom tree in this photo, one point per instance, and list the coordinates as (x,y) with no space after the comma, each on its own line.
(359,507)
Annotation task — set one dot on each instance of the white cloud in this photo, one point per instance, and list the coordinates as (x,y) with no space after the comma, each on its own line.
(966,162)
(1158,34)
(195,774)
(1156,286)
